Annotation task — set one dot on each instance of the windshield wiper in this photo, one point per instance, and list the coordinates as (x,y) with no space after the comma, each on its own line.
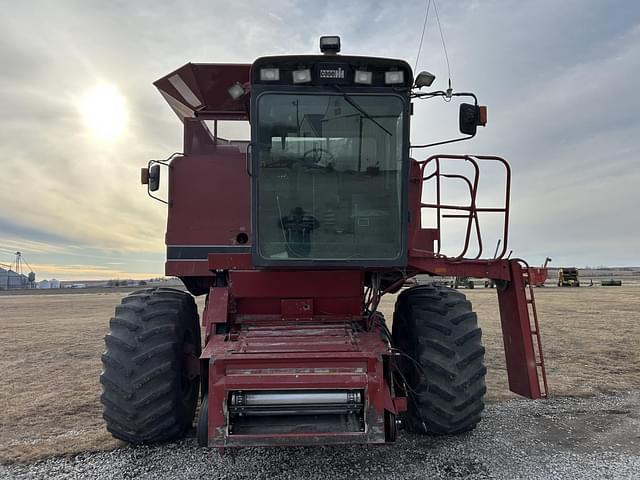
(352,102)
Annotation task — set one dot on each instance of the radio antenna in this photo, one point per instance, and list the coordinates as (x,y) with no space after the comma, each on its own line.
(444,47)
(424,28)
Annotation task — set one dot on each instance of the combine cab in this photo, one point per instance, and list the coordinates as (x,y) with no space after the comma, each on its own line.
(294,236)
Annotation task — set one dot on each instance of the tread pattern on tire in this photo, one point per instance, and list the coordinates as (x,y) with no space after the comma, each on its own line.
(437,328)
(142,366)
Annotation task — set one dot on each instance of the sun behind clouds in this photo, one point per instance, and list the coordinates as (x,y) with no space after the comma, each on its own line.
(104,112)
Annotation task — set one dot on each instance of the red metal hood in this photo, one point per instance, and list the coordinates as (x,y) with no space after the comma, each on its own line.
(201,90)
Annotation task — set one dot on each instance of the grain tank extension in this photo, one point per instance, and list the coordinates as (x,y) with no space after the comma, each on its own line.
(294,236)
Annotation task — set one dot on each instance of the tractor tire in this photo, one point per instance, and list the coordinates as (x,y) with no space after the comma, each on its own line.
(148,395)
(442,360)
(202,428)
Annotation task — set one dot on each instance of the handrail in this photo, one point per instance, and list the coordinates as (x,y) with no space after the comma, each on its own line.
(472,209)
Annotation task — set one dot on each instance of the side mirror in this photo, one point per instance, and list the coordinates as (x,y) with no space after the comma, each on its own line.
(472,116)
(154,177)
(150,176)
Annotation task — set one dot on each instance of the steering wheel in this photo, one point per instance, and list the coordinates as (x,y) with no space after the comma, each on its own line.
(318,154)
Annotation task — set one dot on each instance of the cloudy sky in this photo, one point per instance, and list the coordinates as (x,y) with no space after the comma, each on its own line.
(560,79)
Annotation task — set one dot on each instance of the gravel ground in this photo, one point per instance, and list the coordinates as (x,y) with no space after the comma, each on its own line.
(578,438)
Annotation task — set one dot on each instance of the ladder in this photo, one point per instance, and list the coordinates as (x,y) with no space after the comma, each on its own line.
(534,327)
(521,333)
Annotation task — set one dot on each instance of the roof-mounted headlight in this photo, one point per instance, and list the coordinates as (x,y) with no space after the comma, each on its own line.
(330,44)
(362,76)
(393,77)
(269,74)
(302,76)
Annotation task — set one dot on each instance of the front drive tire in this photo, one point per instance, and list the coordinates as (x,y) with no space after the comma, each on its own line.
(148,395)
(445,381)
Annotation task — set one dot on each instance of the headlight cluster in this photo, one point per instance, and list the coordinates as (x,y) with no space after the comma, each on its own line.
(362,77)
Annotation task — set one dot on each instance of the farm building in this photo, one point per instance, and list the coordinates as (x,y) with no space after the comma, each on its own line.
(10,280)
(53,283)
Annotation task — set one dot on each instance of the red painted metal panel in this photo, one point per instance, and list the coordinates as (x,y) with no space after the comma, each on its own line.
(297,307)
(296,284)
(295,337)
(296,381)
(415,196)
(516,334)
(308,328)
(425,238)
(234,261)
(187,268)
(425,262)
(297,344)
(216,310)
(322,306)
(209,200)
(400,404)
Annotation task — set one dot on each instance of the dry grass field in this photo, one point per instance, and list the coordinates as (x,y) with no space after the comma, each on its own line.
(51,346)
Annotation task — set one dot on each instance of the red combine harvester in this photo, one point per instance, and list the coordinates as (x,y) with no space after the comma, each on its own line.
(294,237)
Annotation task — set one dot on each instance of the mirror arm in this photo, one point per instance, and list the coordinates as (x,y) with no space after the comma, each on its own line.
(167,163)
(443,142)
(467,94)
(440,93)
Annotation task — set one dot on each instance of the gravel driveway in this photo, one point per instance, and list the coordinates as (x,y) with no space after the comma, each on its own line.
(579,438)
